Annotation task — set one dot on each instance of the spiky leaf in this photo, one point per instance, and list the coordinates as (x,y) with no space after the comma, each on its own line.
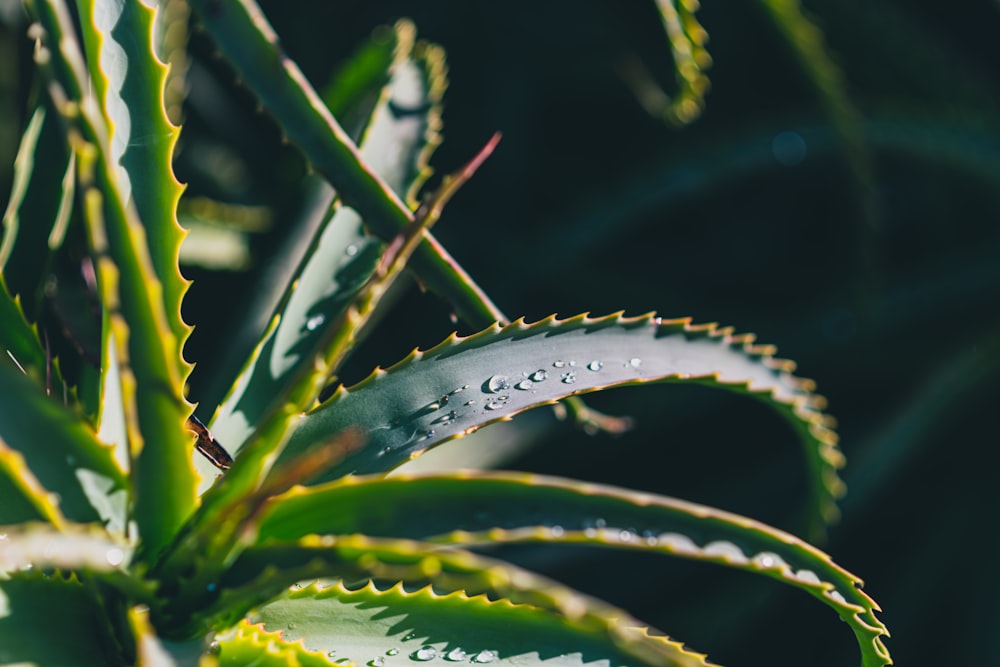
(464,383)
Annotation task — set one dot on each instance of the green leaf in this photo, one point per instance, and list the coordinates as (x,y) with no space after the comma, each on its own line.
(31,603)
(252,645)
(687,46)
(19,341)
(395,627)
(264,571)
(144,345)
(343,256)
(39,207)
(248,41)
(130,82)
(464,383)
(479,508)
(60,450)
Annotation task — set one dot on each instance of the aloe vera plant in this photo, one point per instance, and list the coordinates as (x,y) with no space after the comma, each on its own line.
(124,522)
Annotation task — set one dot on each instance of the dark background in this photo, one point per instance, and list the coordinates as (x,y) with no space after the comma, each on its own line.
(884,288)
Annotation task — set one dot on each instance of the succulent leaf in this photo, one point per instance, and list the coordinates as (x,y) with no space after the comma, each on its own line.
(30,602)
(262,572)
(39,207)
(246,38)
(464,383)
(144,345)
(394,627)
(343,256)
(478,508)
(59,449)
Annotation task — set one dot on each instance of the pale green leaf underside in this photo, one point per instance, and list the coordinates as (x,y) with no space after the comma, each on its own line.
(476,508)
(394,628)
(263,572)
(464,383)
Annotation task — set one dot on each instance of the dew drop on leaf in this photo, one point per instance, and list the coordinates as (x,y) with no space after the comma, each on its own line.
(315,322)
(424,653)
(539,376)
(558,363)
(595,365)
(114,556)
(377,661)
(498,383)
(456,655)
(524,385)
(635,362)
(392,651)
(569,377)
(484,657)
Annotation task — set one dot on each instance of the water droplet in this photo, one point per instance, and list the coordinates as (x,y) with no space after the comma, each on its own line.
(377,661)
(432,406)
(343,662)
(635,362)
(468,403)
(557,531)
(392,651)
(214,648)
(291,626)
(446,418)
(427,435)
(498,383)
(424,653)
(315,322)
(524,385)
(768,559)
(625,536)
(569,377)
(485,656)
(807,577)
(456,655)
(460,389)
(558,363)
(541,375)
(351,250)
(595,365)
(114,556)
(331,653)
(495,404)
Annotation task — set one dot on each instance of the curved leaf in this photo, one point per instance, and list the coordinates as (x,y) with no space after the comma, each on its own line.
(262,572)
(39,206)
(478,508)
(395,627)
(247,39)
(130,82)
(464,383)
(61,452)
(145,347)
(29,602)
(73,547)
(343,256)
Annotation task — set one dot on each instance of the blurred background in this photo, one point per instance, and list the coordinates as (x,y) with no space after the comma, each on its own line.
(843,205)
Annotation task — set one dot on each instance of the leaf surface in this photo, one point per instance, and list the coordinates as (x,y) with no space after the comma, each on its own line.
(31,602)
(144,345)
(343,255)
(394,627)
(262,572)
(464,383)
(481,508)
(67,459)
